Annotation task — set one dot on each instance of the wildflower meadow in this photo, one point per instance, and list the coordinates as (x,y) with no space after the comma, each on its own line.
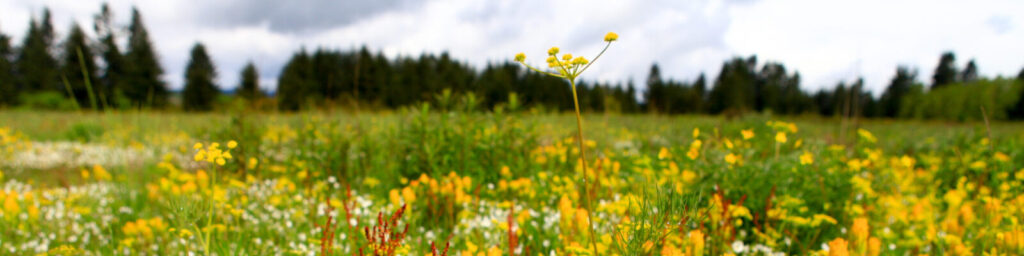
(419,182)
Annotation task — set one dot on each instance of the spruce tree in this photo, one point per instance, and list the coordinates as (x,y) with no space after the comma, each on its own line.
(945,72)
(250,80)
(294,83)
(111,85)
(79,68)
(970,73)
(36,65)
(892,98)
(200,91)
(8,88)
(144,87)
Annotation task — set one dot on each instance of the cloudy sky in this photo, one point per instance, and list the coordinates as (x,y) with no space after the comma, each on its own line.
(826,41)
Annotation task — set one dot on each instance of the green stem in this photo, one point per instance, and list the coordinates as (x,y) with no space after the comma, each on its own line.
(88,82)
(583,163)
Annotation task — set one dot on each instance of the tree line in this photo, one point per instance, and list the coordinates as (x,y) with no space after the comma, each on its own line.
(82,72)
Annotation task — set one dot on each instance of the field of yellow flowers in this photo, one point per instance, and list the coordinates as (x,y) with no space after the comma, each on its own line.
(420,182)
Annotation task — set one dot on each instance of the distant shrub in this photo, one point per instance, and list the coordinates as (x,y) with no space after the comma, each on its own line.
(49,100)
(963,102)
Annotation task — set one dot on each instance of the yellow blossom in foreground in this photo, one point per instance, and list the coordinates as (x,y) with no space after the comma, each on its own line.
(838,247)
(806,158)
(696,243)
(747,134)
(780,137)
(731,158)
(520,57)
(663,153)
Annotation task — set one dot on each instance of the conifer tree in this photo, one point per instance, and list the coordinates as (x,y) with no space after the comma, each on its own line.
(8,87)
(36,65)
(111,78)
(294,83)
(250,81)
(79,68)
(200,90)
(144,86)
(945,72)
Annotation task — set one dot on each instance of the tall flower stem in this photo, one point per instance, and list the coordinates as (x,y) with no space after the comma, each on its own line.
(583,163)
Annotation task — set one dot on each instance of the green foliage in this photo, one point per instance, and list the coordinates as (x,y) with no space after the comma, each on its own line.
(200,92)
(47,100)
(963,102)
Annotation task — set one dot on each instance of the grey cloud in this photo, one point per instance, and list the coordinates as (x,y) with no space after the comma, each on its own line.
(307,16)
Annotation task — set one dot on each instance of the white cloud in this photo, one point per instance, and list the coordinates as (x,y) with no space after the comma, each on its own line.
(826,41)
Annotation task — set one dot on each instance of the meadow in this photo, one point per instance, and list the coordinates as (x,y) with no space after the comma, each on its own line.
(438,181)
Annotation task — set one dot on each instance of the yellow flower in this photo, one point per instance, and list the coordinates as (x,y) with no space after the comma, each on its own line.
(696,132)
(100,173)
(731,158)
(838,247)
(663,153)
(696,243)
(747,134)
(408,195)
(252,163)
(866,135)
(780,137)
(520,57)
(567,57)
(860,230)
(232,144)
(198,145)
(693,154)
(580,61)
(11,207)
(553,51)
(806,158)
(611,37)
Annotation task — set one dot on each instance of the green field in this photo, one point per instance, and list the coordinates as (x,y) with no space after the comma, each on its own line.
(505,184)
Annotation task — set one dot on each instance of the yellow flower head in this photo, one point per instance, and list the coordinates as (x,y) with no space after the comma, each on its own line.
(567,57)
(780,137)
(731,158)
(553,51)
(580,61)
(552,60)
(747,134)
(232,144)
(520,57)
(611,37)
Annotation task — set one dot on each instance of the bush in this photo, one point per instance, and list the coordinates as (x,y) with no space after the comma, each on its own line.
(49,100)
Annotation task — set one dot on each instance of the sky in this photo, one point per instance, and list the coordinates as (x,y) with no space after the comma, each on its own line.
(826,41)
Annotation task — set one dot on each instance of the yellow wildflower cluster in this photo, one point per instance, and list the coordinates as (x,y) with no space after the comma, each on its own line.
(213,153)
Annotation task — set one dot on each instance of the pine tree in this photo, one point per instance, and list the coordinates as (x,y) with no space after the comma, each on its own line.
(250,81)
(8,88)
(111,85)
(200,91)
(294,83)
(970,73)
(79,68)
(945,72)
(892,98)
(143,70)
(36,64)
